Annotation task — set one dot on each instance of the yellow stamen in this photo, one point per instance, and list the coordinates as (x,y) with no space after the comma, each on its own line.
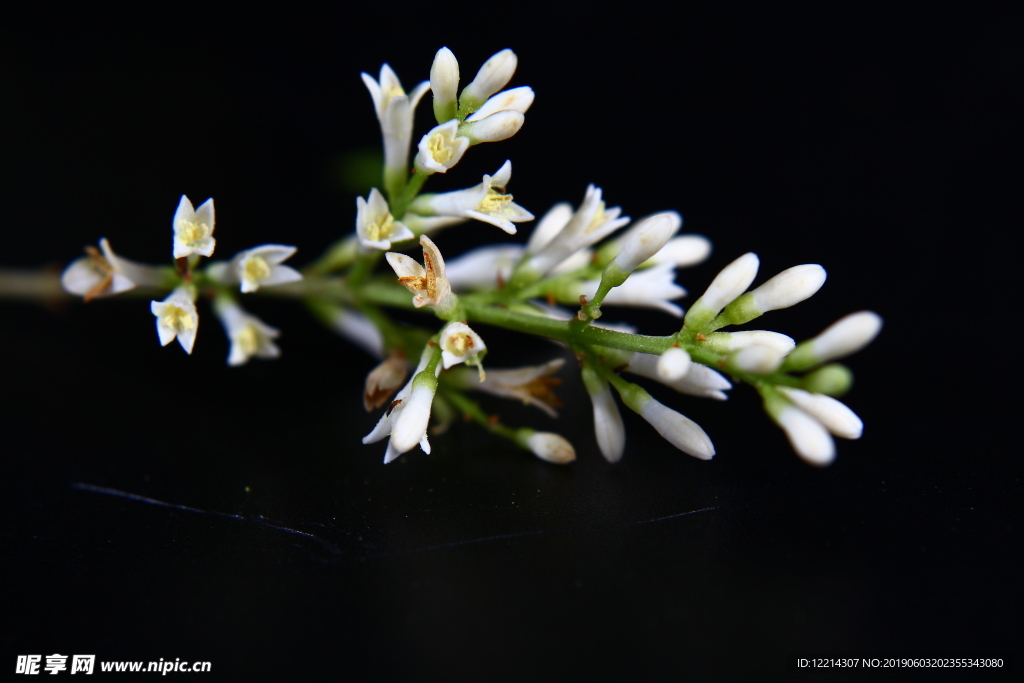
(256,268)
(248,339)
(381,228)
(439,149)
(495,203)
(193,233)
(177,318)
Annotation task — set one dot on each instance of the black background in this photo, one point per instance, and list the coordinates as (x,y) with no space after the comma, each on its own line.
(243,522)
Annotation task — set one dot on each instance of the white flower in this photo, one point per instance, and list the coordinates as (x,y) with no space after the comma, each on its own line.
(533,385)
(249,335)
(427,282)
(729,284)
(412,429)
(193,229)
(756,359)
(459,343)
(492,77)
(807,436)
(485,267)
(359,330)
(395,113)
(788,288)
(551,447)
(485,202)
(724,342)
(375,226)
(444,84)
(176,317)
(677,429)
(104,273)
(261,267)
(673,364)
(652,288)
(645,239)
(588,225)
(699,380)
(494,128)
(683,251)
(842,338)
(832,414)
(608,427)
(550,224)
(441,148)
(512,100)
(384,379)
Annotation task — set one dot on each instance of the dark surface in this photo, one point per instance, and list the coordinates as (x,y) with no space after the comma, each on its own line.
(164,506)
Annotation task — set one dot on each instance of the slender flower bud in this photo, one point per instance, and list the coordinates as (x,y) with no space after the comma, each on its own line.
(756,359)
(677,429)
(516,99)
(684,251)
(498,126)
(725,342)
(807,436)
(786,289)
(673,365)
(699,380)
(608,427)
(444,83)
(410,427)
(847,336)
(833,414)
(643,241)
(727,285)
(492,77)
(548,446)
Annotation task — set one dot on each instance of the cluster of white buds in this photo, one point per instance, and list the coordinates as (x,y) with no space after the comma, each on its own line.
(572,258)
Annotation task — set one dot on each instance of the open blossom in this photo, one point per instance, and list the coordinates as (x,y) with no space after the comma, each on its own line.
(176,317)
(459,343)
(533,385)
(651,288)
(193,229)
(250,337)
(427,282)
(441,148)
(375,226)
(485,202)
(588,225)
(103,273)
(395,113)
(262,267)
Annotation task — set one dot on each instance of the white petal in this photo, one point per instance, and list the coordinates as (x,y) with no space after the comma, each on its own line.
(549,225)
(679,430)
(280,275)
(404,266)
(833,414)
(80,277)
(516,99)
(608,427)
(807,436)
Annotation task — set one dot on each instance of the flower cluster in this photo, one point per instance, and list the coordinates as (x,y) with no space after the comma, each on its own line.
(575,263)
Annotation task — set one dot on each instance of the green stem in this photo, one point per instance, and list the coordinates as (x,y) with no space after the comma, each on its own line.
(474,411)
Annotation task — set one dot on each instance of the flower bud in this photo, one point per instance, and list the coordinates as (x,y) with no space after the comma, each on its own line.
(673,365)
(683,251)
(807,436)
(834,415)
(677,429)
(724,342)
(549,446)
(725,288)
(756,359)
(498,126)
(646,239)
(847,336)
(492,77)
(608,427)
(444,83)
(411,425)
(789,287)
